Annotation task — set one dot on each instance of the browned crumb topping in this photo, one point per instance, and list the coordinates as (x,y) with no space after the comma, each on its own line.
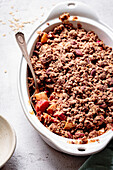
(75,18)
(4,35)
(74,70)
(64,17)
(5,71)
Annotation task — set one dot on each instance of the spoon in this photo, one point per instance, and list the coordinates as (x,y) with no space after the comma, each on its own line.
(22,44)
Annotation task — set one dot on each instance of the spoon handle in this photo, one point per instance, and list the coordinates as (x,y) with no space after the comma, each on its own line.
(22,44)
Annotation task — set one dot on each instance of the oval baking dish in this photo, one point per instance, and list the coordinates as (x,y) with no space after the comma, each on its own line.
(89,21)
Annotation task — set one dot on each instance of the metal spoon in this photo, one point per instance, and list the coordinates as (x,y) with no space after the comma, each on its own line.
(22,44)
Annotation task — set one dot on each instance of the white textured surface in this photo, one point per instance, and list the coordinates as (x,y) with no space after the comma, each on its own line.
(31,152)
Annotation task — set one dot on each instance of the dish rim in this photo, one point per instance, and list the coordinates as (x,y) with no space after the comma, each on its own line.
(49,133)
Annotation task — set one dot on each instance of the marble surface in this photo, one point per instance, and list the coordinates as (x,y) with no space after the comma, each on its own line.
(31,151)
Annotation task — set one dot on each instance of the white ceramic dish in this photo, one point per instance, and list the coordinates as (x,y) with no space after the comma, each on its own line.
(90,21)
(7,141)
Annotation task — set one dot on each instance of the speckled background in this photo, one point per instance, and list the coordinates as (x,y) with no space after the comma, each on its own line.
(31,151)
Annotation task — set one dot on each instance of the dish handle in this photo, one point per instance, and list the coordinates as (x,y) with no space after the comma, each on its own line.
(74,8)
(82,149)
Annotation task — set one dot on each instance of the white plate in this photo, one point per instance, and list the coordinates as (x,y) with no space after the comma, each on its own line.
(7,141)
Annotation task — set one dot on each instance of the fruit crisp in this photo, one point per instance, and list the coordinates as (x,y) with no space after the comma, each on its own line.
(74,71)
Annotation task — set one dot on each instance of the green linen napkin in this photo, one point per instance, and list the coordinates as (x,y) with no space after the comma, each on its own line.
(100,161)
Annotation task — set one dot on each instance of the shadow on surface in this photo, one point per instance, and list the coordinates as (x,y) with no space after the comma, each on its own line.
(61,161)
(12,164)
(36,158)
